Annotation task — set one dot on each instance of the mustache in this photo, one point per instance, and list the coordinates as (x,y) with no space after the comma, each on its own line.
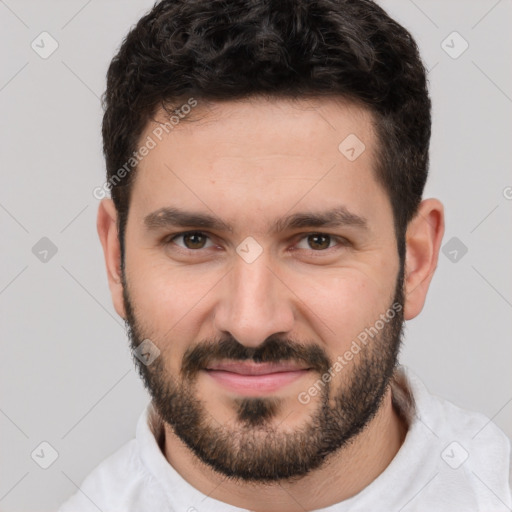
(272,350)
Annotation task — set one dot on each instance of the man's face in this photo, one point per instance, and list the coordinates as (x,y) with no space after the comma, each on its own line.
(250,314)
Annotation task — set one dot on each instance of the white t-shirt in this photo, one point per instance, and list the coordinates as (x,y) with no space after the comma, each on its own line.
(452,460)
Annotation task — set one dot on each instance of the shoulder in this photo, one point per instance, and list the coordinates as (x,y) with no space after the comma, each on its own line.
(449,420)
(112,485)
(471,453)
(120,483)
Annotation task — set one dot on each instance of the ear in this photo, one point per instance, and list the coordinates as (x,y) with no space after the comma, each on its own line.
(107,231)
(423,241)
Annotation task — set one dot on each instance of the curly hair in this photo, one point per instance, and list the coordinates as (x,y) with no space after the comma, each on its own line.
(215,50)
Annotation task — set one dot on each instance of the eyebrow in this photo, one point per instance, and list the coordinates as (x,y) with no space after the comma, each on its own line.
(175,217)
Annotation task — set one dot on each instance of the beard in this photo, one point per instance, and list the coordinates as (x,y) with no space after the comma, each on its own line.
(254,448)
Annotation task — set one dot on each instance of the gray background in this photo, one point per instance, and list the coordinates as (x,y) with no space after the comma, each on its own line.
(66,376)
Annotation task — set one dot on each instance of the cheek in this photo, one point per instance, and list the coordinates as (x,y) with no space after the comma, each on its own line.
(169,301)
(342,306)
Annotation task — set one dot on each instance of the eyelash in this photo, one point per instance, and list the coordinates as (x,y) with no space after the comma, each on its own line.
(340,242)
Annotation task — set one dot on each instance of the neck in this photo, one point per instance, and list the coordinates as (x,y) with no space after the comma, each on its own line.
(342,476)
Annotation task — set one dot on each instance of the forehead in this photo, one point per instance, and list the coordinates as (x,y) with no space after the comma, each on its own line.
(318,124)
(255,158)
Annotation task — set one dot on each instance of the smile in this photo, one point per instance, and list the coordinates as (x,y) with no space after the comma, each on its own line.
(253,379)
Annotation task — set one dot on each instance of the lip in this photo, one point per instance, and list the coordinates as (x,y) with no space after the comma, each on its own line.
(253,379)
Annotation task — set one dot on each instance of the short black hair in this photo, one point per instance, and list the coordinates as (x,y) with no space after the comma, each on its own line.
(218,50)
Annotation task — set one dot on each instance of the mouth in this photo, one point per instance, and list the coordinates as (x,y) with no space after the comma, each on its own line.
(254,379)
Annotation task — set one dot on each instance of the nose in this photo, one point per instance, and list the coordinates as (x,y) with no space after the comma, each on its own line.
(255,303)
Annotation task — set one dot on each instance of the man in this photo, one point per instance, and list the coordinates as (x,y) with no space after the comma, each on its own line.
(265,241)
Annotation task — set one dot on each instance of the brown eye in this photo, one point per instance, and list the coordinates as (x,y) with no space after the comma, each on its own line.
(194,240)
(191,240)
(318,241)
